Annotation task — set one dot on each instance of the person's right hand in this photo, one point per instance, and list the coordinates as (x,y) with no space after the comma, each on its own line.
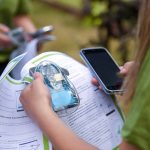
(36,99)
(5,41)
(124,70)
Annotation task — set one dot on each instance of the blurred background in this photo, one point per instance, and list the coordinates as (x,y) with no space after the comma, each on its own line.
(87,23)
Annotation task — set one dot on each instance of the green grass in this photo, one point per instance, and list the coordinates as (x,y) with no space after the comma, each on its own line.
(70,32)
(74,3)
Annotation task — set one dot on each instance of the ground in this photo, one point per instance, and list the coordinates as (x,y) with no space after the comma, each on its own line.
(71,33)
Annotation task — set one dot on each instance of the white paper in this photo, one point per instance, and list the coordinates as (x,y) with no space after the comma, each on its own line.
(11,65)
(17,131)
(97,119)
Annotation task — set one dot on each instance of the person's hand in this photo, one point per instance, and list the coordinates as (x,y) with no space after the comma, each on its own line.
(124,70)
(5,41)
(95,82)
(36,99)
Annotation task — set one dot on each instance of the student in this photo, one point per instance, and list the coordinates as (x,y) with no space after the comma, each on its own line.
(13,13)
(136,132)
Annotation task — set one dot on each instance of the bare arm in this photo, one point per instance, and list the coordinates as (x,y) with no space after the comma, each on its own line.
(36,101)
(38,108)
(126,146)
(61,136)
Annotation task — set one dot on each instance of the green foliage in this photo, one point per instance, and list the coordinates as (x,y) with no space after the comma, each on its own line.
(98,8)
(114,19)
(74,3)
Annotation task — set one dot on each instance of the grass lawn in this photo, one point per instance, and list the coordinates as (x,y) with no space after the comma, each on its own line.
(70,32)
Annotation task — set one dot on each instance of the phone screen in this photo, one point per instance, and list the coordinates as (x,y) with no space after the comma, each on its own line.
(104,67)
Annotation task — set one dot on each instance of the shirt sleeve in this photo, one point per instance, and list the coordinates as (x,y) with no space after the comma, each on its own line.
(24,7)
(136,130)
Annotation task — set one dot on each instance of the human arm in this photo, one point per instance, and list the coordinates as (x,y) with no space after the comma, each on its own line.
(124,70)
(36,101)
(127,146)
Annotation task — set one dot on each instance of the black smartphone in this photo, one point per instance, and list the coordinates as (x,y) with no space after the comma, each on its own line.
(104,68)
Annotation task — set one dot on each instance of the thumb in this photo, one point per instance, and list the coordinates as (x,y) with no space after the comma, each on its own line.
(38,76)
(123,71)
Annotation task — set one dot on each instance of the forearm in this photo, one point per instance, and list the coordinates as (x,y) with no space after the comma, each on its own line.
(25,22)
(127,146)
(35,99)
(60,135)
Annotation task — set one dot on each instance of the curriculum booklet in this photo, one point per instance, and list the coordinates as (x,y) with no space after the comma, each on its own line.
(98,119)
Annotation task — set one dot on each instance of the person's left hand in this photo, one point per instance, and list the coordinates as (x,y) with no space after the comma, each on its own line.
(124,70)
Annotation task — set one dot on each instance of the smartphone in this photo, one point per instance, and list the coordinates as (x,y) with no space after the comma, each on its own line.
(103,67)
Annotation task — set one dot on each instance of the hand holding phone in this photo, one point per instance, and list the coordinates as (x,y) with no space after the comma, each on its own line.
(104,68)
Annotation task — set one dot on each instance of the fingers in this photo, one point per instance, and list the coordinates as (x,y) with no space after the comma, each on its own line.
(31,87)
(128,65)
(95,82)
(24,92)
(124,70)
(4,39)
(38,76)
(37,82)
(35,98)
(4,28)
